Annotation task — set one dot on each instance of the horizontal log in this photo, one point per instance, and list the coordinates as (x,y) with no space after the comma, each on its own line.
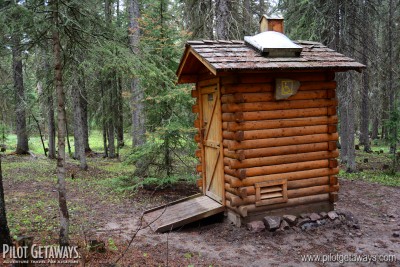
(283,168)
(332,145)
(238,173)
(251,208)
(265,84)
(332,128)
(199,168)
(246,191)
(334,188)
(243,201)
(333,180)
(199,182)
(229,206)
(288,123)
(281,159)
(333,163)
(280,132)
(262,78)
(234,182)
(331,111)
(296,175)
(198,153)
(195,109)
(232,154)
(247,88)
(231,135)
(231,190)
(197,123)
(195,93)
(208,81)
(255,120)
(308,191)
(238,201)
(264,106)
(281,141)
(197,138)
(331,93)
(230,171)
(333,197)
(308,182)
(329,76)
(250,154)
(270,96)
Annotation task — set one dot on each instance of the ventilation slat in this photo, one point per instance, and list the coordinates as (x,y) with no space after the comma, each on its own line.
(271,195)
(270,189)
(271,192)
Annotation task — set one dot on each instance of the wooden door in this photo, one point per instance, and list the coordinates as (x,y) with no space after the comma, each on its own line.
(211,133)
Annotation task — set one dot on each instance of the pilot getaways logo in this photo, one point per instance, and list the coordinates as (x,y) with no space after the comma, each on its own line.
(40,254)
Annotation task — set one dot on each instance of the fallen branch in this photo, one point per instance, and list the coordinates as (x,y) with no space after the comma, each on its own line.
(138,230)
(40,133)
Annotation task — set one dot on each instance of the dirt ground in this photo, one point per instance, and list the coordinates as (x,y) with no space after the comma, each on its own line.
(212,242)
(218,243)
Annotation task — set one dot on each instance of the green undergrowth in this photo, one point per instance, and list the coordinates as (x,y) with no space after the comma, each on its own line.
(374,166)
(380,177)
(129,183)
(36,147)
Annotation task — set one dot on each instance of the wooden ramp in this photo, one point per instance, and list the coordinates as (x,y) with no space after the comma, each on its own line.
(181,212)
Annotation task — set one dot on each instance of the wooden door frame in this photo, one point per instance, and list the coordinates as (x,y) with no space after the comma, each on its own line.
(199,86)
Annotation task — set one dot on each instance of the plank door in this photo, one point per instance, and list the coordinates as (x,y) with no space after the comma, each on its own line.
(211,133)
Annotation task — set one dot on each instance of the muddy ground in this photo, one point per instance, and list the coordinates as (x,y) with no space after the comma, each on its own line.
(97,214)
(219,243)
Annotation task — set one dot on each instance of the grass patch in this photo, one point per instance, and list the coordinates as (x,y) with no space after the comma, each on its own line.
(373,176)
(116,167)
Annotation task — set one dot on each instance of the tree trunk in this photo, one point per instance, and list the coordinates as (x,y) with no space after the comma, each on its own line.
(364,109)
(247,18)
(343,130)
(78,129)
(390,70)
(110,119)
(111,139)
(61,121)
(51,124)
(104,120)
(137,105)
(67,133)
(222,19)
(5,238)
(120,118)
(262,8)
(375,127)
(350,88)
(20,101)
(84,113)
(351,157)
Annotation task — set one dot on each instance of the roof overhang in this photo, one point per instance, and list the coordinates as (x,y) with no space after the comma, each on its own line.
(220,58)
(190,64)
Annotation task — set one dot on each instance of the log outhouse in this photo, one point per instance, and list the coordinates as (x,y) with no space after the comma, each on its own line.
(267,124)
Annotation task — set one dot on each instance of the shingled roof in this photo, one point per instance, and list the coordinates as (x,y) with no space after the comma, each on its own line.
(236,56)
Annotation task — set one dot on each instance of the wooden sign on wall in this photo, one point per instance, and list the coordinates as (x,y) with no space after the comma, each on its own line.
(285,88)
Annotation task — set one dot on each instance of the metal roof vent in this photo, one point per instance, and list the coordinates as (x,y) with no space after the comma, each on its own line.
(273,44)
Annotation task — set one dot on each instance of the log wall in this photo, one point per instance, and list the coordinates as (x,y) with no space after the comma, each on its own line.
(266,140)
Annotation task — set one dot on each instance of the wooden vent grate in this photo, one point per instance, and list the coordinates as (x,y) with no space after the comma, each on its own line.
(271,192)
